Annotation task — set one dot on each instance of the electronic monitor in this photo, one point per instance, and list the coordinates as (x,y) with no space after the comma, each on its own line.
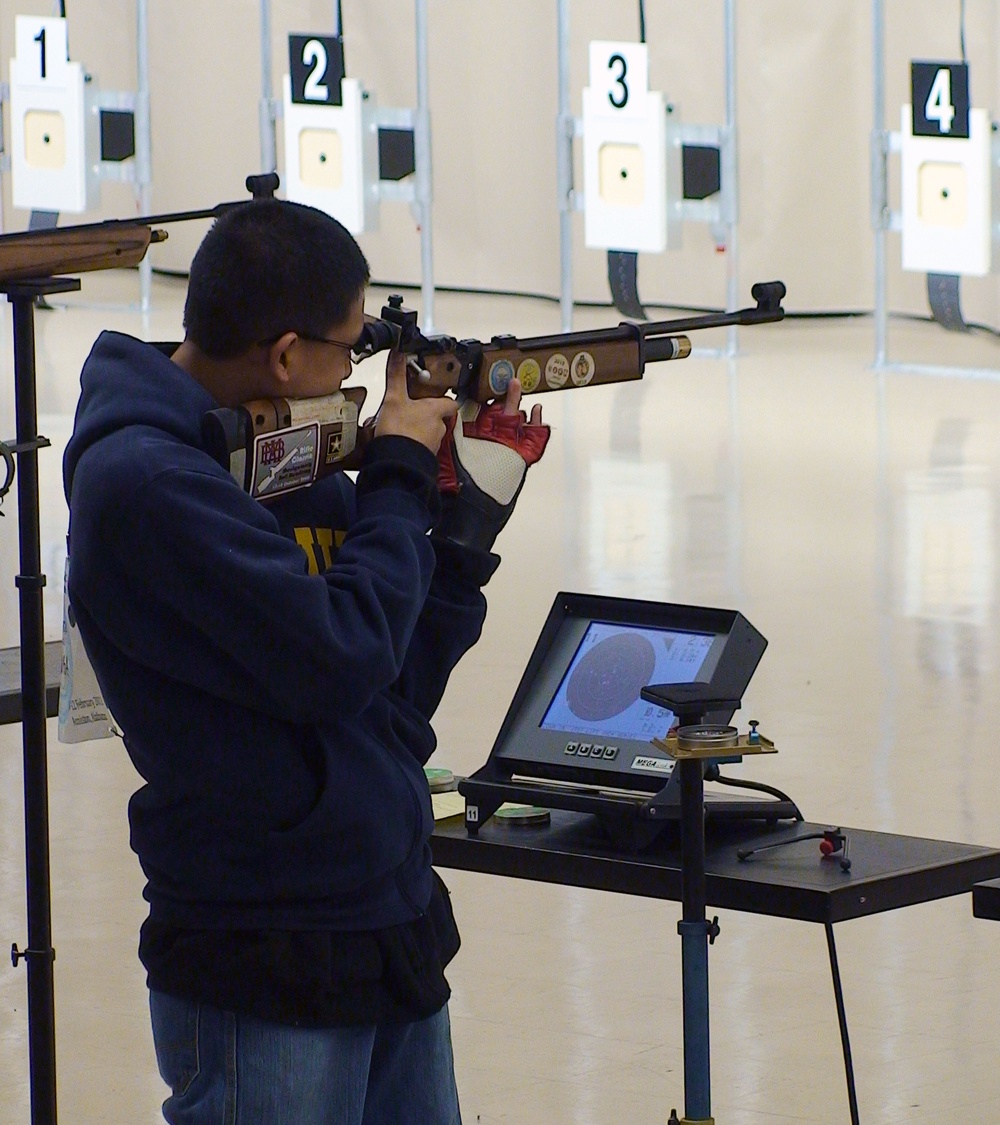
(578,715)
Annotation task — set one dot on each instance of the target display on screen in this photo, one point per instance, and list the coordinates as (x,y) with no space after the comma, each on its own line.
(599,695)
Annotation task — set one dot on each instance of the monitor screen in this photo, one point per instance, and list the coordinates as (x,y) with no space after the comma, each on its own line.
(599,694)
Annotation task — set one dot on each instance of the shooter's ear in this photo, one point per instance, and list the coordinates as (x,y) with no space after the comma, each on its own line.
(279,357)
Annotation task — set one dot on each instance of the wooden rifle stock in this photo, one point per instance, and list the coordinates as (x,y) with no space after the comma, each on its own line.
(115,243)
(275,445)
(83,249)
(271,446)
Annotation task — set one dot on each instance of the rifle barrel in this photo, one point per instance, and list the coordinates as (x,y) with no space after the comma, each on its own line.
(119,224)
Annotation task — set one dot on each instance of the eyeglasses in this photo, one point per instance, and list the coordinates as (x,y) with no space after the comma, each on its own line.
(349,348)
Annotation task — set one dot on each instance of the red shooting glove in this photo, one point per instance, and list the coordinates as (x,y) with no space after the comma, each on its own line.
(482,463)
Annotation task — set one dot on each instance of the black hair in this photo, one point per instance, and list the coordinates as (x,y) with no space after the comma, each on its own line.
(268,267)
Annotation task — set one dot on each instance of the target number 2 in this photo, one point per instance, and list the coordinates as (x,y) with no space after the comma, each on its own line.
(314,57)
(316,63)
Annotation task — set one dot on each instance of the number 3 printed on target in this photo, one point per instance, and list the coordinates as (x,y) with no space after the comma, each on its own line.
(624,152)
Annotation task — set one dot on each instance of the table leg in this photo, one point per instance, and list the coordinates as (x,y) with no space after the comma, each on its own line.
(842,1019)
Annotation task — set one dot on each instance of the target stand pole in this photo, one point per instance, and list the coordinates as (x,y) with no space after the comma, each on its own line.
(30,582)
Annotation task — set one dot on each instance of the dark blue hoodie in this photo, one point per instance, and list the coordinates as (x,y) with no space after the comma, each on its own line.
(273,667)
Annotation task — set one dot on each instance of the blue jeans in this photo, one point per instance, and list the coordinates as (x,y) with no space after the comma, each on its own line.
(226,1069)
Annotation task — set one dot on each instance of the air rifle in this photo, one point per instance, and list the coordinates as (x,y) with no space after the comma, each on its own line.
(275,445)
(35,255)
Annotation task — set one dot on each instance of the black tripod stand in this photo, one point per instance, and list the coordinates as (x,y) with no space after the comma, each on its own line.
(30,582)
(24,294)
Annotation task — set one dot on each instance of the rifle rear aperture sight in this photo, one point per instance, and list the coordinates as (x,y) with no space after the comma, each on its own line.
(397,328)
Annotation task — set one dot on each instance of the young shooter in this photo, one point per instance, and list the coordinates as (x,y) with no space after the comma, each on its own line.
(274,667)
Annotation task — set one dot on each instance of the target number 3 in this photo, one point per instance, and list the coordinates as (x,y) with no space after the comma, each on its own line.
(619,78)
(618,94)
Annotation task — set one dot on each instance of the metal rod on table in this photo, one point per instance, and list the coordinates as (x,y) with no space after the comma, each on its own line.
(268,143)
(879,156)
(730,175)
(143,142)
(564,171)
(422,145)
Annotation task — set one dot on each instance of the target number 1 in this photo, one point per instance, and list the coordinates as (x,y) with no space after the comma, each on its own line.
(40,40)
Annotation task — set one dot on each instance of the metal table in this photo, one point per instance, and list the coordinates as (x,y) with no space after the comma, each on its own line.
(887,872)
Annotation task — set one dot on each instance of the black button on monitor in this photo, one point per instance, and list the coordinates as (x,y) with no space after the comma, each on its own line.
(611,752)
(584,751)
(571,747)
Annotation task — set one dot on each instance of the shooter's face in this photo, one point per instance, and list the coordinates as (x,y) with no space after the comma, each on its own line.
(320,364)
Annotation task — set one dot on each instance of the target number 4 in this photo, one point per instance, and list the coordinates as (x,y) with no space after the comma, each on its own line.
(940,99)
(938,106)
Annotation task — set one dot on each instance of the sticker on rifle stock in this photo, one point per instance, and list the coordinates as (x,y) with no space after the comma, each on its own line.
(582,369)
(529,375)
(501,373)
(284,460)
(557,371)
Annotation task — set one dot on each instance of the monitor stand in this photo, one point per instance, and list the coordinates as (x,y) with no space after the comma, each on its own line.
(632,821)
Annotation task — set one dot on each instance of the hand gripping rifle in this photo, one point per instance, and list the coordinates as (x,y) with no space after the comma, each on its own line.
(275,445)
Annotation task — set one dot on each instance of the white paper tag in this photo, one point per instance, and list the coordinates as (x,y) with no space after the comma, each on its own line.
(83,714)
